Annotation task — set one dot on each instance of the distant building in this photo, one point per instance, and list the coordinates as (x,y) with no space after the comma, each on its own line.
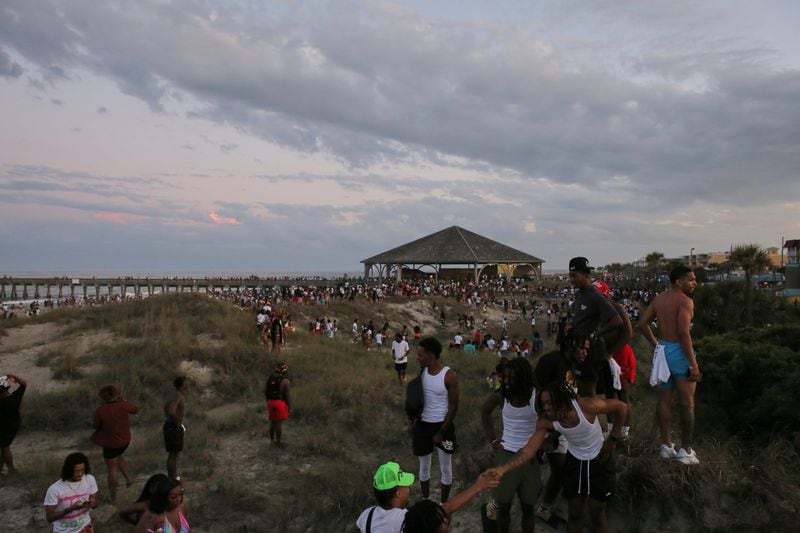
(792,248)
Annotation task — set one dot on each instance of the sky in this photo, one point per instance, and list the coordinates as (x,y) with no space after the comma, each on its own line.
(257,136)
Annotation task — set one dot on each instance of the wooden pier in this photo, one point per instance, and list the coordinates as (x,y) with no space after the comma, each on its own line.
(60,288)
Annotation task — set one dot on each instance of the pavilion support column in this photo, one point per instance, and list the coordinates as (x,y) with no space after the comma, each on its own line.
(85,292)
(25,291)
(60,290)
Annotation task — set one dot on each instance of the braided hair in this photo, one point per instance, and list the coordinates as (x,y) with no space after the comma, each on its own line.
(425,516)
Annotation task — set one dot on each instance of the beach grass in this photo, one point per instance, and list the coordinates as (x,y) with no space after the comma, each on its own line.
(347,418)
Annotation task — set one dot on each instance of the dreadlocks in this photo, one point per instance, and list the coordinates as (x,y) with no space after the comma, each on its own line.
(561,396)
(570,341)
(521,383)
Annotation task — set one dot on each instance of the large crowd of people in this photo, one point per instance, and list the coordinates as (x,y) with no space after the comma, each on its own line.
(550,403)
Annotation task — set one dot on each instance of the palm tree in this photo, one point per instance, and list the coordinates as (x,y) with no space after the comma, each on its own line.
(654,260)
(752,259)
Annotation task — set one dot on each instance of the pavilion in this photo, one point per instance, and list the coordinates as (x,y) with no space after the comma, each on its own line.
(450,252)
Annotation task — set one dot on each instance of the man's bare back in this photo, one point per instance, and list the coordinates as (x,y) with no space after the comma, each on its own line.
(667,308)
(674,310)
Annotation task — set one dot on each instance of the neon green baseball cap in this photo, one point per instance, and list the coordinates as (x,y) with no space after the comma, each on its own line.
(389,476)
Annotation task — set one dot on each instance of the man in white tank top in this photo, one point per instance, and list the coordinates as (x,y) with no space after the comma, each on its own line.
(589,467)
(435,427)
(519,423)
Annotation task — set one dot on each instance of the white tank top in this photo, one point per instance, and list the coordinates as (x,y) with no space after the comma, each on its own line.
(519,423)
(585,440)
(435,409)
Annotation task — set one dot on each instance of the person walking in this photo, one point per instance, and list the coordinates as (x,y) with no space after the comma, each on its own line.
(113,433)
(173,428)
(400,351)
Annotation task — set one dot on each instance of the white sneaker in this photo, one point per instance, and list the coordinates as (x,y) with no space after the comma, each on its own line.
(667,452)
(688,458)
(626,432)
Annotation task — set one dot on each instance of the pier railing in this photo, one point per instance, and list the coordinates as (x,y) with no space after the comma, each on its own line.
(37,288)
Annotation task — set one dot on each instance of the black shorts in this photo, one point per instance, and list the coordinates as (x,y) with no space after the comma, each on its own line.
(588,478)
(173,437)
(113,453)
(422,442)
(400,367)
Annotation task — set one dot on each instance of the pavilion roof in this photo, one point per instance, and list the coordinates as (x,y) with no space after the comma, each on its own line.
(454,245)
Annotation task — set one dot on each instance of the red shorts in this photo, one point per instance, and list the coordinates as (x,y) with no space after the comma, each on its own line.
(277,410)
(627,362)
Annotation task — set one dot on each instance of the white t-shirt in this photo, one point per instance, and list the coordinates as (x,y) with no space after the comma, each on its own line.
(62,494)
(379,338)
(400,351)
(458,339)
(383,521)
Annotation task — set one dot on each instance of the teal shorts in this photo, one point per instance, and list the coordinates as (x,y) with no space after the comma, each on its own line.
(676,361)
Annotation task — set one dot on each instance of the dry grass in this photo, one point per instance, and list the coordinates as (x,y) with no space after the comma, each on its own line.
(347,418)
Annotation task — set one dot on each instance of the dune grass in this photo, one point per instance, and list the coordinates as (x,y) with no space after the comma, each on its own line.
(347,419)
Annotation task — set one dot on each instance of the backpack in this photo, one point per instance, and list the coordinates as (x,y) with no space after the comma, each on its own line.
(415,398)
(273,389)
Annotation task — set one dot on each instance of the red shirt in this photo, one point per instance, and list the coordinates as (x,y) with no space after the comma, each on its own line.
(111,422)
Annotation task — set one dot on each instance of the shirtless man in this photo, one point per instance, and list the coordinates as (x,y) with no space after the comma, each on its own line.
(674,310)
(173,425)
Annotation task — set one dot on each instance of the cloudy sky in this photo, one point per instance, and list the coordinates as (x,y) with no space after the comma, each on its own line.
(256,136)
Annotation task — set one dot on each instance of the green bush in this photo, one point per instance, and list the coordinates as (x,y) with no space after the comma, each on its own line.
(750,379)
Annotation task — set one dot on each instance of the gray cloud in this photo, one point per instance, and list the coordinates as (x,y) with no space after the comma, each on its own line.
(8,67)
(647,110)
(402,89)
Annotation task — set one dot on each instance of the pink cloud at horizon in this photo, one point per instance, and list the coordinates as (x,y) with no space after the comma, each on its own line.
(222,220)
(118,218)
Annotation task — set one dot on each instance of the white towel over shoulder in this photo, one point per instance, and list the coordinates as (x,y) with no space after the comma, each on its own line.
(615,372)
(660,371)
